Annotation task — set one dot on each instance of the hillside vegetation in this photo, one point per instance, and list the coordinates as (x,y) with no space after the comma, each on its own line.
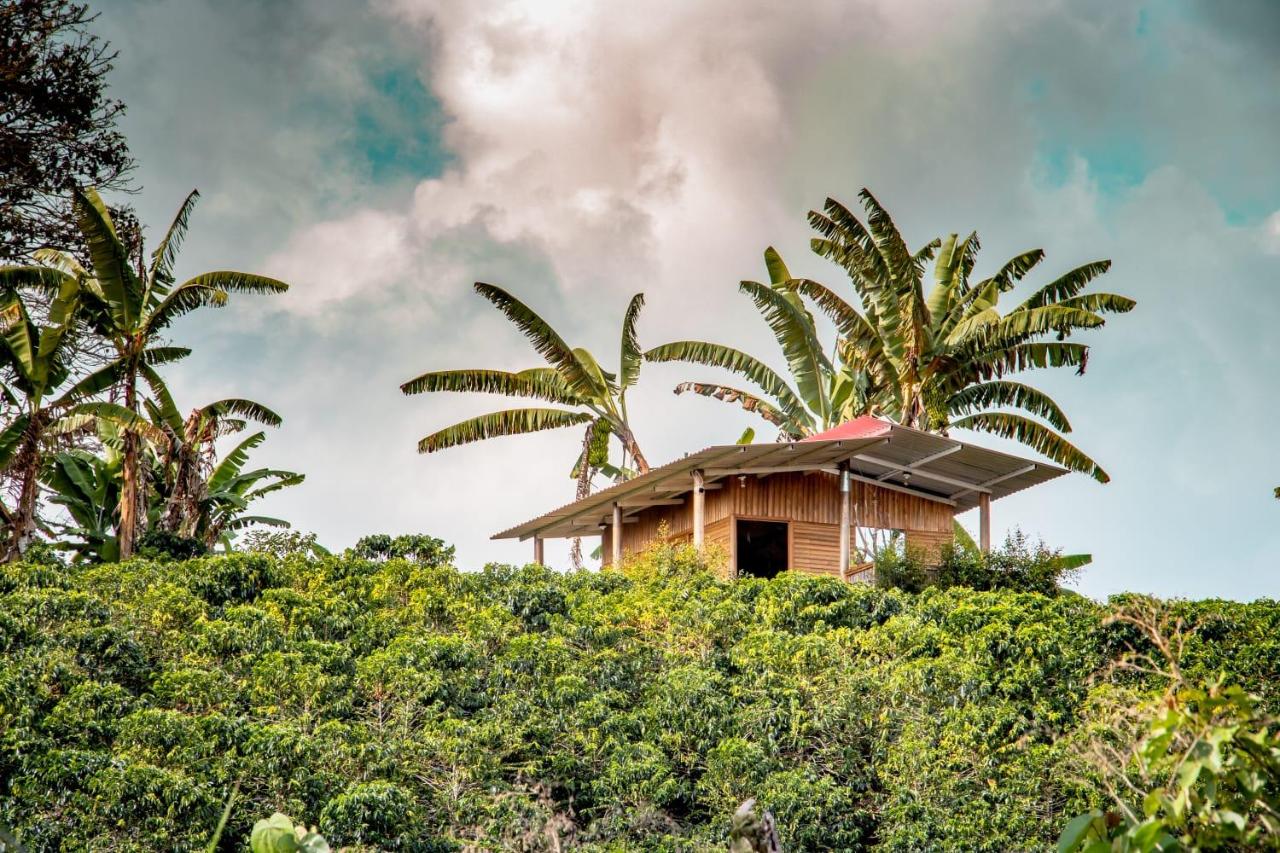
(405,705)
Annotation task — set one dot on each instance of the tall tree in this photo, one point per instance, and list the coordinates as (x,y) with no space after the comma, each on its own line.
(941,359)
(573,379)
(932,360)
(132,309)
(47,398)
(187,459)
(57,123)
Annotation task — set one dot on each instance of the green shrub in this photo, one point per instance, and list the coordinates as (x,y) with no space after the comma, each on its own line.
(1019,566)
(399,704)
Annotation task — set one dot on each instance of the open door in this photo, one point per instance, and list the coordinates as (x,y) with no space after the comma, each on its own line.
(762,548)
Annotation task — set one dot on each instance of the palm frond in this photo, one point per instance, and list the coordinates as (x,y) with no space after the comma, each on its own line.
(735,361)
(543,383)
(749,402)
(508,422)
(181,300)
(231,281)
(629,359)
(793,329)
(245,409)
(40,279)
(778,272)
(110,258)
(544,338)
(1066,286)
(160,276)
(233,462)
(1100,303)
(1004,393)
(1036,436)
(165,408)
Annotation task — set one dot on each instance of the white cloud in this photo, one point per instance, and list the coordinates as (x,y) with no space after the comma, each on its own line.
(603,149)
(1271,234)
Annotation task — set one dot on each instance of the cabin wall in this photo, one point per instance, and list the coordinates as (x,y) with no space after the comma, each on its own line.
(810,501)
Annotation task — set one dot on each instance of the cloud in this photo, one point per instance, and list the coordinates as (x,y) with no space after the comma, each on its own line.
(595,150)
(1271,234)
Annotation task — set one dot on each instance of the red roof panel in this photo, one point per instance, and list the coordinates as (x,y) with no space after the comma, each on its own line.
(863,427)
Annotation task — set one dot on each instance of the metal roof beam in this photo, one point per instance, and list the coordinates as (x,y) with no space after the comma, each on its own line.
(994,480)
(932,457)
(929,475)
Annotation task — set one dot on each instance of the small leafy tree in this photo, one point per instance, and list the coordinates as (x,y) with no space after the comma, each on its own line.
(1197,768)
(416,548)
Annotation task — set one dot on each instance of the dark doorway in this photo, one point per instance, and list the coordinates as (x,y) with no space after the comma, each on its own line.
(762,548)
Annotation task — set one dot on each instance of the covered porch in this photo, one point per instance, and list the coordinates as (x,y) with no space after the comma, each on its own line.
(805,505)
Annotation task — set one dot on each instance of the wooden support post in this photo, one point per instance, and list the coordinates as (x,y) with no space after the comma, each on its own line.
(537,550)
(699,510)
(615,535)
(984,522)
(845,525)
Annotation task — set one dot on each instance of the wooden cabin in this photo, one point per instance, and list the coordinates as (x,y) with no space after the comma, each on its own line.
(821,505)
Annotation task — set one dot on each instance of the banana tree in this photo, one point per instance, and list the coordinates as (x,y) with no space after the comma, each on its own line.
(187,454)
(586,394)
(132,309)
(87,487)
(230,490)
(40,388)
(941,359)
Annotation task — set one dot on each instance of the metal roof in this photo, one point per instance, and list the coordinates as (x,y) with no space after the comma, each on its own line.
(935,467)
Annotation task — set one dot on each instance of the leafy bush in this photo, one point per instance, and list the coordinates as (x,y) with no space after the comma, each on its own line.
(409,706)
(1196,768)
(1019,566)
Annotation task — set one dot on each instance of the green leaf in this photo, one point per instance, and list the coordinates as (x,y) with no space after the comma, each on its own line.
(1036,436)
(793,329)
(1077,831)
(1008,394)
(629,361)
(231,464)
(778,272)
(736,361)
(543,383)
(749,402)
(508,422)
(544,339)
(1066,286)
(166,253)
(274,835)
(245,409)
(115,279)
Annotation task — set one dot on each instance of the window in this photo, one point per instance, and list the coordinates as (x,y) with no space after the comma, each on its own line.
(762,550)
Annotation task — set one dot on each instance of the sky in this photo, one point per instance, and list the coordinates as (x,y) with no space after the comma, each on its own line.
(382,156)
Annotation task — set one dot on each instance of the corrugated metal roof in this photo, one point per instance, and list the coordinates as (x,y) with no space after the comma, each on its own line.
(932,466)
(861,427)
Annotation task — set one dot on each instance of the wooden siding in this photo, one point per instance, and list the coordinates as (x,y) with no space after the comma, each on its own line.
(809,501)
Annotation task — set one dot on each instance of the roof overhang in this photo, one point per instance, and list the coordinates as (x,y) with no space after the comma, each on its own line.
(934,467)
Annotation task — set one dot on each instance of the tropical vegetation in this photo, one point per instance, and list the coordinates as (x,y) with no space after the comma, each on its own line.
(932,360)
(106,440)
(585,395)
(403,704)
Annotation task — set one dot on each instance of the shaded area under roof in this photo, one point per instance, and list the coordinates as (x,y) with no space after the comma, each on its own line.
(934,467)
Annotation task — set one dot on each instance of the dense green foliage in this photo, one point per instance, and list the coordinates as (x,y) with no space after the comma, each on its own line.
(407,705)
(1020,566)
(1204,775)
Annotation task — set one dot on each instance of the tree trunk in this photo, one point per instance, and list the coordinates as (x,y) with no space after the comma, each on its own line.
(633,447)
(583,490)
(130,488)
(129,495)
(24,522)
